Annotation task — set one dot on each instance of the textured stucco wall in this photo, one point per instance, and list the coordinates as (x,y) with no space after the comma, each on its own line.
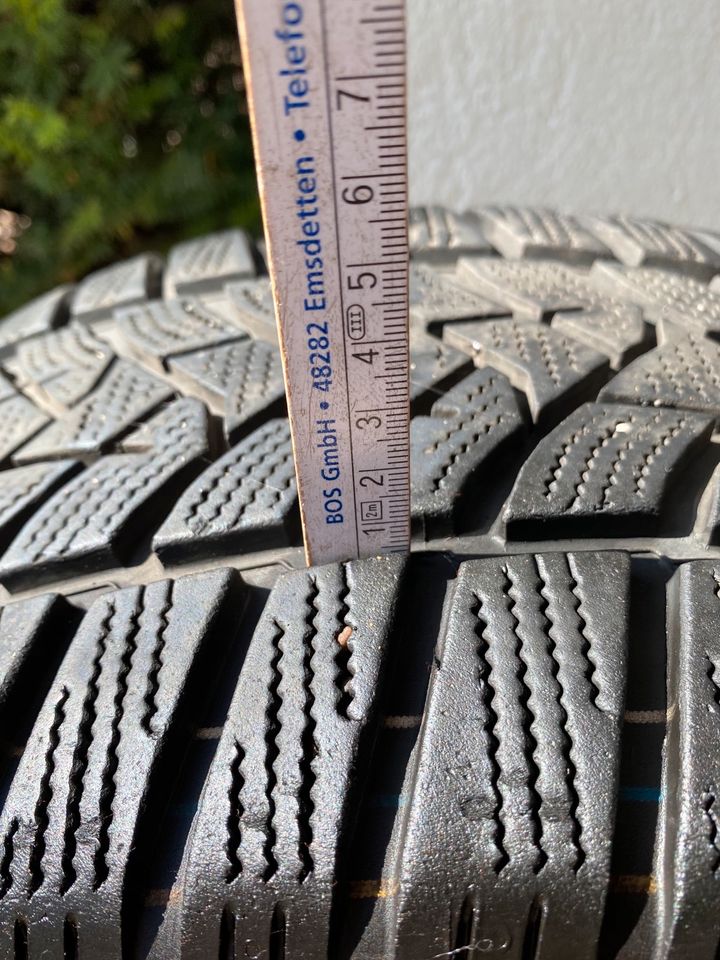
(587,105)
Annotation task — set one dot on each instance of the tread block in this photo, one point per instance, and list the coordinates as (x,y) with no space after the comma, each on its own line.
(208,263)
(618,332)
(683,372)
(95,518)
(78,801)
(61,368)
(266,853)
(254,303)
(439,235)
(534,290)
(24,488)
(433,365)
(246,500)
(435,299)
(605,471)
(41,315)
(120,285)
(663,295)
(153,332)
(219,303)
(688,875)
(20,419)
(508,838)
(551,369)
(124,396)
(535,232)
(23,635)
(649,243)
(450,450)
(242,380)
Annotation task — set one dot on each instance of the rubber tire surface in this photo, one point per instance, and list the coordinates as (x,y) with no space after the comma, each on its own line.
(506,744)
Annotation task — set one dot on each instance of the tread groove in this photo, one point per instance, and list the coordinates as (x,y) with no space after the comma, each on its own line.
(153,682)
(235,815)
(343,658)
(76,785)
(308,744)
(226,940)
(532,944)
(70,938)
(648,458)
(615,466)
(463,941)
(20,938)
(567,746)
(6,875)
(42,820)
(602,440)
(713,675)
(709,800)
(272,750)
(109,784)
(586,645)
(278,934)
(488,693)
(528,722)
(558,466)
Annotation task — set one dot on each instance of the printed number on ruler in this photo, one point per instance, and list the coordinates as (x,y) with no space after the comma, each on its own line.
(326,80)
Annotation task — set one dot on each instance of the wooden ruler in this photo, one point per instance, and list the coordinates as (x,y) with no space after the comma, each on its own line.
(326,82)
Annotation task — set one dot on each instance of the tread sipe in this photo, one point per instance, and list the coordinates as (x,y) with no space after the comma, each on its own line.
(506,744)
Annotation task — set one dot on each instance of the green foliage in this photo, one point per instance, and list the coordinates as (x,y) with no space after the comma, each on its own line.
(122,127)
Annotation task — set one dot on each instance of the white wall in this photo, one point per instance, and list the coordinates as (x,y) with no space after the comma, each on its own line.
(587,105)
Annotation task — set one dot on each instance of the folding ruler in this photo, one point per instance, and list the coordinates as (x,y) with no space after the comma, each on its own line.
(326,83)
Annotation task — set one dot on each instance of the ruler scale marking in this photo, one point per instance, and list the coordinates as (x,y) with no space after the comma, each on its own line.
(315,75)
